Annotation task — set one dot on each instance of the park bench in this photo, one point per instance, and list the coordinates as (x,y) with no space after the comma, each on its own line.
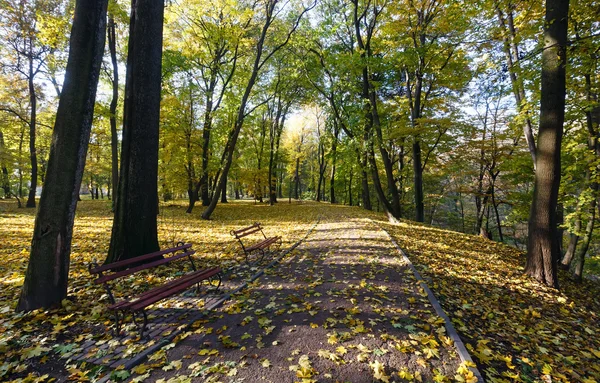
(137,304)
(261,248)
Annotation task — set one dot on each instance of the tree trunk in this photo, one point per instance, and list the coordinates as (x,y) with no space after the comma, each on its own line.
(333,163)
(134,229)
(114,135)
(297,179)
(32,131)
(511,52)
(350,188)
(5,179)
(365,193)
(495,205)
(570,253)
(585,244)
(189,167)
(20,170)
(47,272)
(418,180)
(206,132)
(542,245)
(415,115)
(560,220)
(322,168)
(224,195)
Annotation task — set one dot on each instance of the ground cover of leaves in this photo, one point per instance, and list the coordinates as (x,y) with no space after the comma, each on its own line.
(516,329)
(344,308)
(37,346)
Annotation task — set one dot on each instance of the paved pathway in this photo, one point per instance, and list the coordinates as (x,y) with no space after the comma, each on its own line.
(343,307)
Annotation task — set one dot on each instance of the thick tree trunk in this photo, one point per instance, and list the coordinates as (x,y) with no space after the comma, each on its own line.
(114,135)
(134,229)
(542,246)
(47,273)
(32,132)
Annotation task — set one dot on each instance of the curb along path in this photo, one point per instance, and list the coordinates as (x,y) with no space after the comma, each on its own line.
(345,307)
(460,347)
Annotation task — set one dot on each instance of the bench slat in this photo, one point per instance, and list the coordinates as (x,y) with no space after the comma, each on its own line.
(174,289)
(127,262)
(254,225)
(242,235)
(133,270)
(263,244)
(122,305)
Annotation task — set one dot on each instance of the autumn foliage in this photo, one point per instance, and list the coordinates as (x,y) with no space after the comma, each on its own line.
(516,329)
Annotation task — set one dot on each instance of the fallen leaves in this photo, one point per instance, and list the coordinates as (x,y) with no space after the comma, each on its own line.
(515,328)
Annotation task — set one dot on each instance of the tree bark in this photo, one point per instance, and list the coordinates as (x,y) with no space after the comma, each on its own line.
(32,132)
(134,229)
(570,253)
(47,272)
(585,244)
(336,132)
(418,182)
(114,137)
(297,179)
(206,132)
(5,179)
(542,245)
(224,195)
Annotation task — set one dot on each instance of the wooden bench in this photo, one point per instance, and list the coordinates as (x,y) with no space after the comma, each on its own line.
(137,304)
(261,247)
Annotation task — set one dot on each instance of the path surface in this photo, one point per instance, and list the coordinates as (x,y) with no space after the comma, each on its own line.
(343,307)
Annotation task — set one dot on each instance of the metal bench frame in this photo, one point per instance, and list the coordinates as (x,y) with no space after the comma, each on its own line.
(262,248)
(137,304)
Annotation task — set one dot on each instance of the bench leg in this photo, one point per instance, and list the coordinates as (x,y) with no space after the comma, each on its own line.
(262,255)
(144,324)
(117,323)
(211,279)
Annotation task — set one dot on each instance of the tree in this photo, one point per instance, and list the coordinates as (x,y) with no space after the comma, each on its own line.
(28,56)
(271,12)
(114,139)
(134,230)
(543,251)
(208,35)
(47,273)
(505,12)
